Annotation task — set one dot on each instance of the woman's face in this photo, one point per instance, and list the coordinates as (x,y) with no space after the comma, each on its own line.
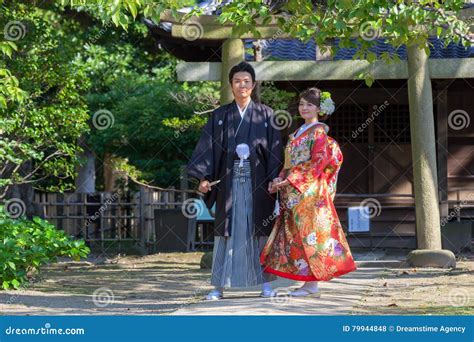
(307,109)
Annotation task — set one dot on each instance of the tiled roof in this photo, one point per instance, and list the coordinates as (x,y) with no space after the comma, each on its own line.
(281,49)
(295,50)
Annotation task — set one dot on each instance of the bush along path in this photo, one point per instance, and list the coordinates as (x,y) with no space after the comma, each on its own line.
(27,245)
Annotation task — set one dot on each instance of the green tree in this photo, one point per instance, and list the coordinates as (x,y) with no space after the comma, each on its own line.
(154,126)
(41,123)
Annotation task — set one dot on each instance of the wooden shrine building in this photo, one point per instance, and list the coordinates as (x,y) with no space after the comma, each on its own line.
(372,125)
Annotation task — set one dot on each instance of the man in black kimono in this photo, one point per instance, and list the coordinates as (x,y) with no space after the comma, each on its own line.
(244,207)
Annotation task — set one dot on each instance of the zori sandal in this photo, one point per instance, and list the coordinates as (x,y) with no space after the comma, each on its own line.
(214,295)
(305,293)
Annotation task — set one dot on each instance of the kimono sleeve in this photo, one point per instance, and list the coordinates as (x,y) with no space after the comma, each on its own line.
(275,151)
(201,165)
(332,168)
(304,174)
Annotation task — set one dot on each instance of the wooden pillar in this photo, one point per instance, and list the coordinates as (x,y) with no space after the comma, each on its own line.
(233,52)
(184,179)
(423,147)
(442,144)
(142,220)
(371,157)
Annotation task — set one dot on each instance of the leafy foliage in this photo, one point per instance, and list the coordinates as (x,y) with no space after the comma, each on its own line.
(276,98)
(155,126)
(41,123)
(65,70)
(27,245)
(400,22)
(59,73)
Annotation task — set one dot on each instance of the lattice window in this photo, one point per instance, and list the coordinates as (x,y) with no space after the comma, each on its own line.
(391,124)
(354,123)
(345,122)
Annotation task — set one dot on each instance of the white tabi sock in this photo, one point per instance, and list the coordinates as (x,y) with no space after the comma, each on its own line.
(311,286)
(266,287)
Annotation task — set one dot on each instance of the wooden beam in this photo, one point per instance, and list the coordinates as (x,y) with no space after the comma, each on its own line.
(207,20)
(221,32)
(210,27)
(446,68)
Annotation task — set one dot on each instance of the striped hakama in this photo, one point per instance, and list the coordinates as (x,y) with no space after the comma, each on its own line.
(236,258)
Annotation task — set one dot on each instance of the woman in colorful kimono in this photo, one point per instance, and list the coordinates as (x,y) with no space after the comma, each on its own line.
(307,242)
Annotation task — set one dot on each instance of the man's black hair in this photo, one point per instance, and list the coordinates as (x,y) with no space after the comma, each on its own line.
(242,67)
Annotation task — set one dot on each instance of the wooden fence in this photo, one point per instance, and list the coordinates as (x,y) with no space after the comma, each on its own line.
(110,218)
(104,219)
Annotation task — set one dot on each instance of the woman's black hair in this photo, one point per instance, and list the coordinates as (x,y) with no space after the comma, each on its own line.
(242,67)
(312,95)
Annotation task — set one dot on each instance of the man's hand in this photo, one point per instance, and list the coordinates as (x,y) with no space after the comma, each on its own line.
(270,188)
(271,185)
(204,186)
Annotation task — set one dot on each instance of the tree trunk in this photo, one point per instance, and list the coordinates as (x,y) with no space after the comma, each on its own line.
(85,181)
(423,146)
(110,176)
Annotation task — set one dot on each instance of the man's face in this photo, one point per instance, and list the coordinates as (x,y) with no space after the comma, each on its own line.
(242,85)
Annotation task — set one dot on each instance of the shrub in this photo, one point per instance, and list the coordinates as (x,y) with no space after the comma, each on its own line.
(26,245)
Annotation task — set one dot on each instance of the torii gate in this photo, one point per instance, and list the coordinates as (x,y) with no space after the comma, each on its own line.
(418,70)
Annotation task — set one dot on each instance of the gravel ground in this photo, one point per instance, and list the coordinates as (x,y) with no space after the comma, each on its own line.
(173,283)
(422,291)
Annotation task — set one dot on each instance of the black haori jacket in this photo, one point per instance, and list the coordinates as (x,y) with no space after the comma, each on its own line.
(213,159)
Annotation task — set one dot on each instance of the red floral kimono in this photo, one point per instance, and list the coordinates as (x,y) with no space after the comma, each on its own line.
(307,242)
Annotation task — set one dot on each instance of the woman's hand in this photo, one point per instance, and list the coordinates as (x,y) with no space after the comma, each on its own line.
(281,184)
